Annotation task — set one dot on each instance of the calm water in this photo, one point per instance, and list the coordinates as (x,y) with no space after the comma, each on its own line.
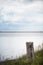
(14,44)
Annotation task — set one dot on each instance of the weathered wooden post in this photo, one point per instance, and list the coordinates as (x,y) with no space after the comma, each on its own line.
(30,49)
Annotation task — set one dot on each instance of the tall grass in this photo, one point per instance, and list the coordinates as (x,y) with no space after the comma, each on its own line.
(24,60)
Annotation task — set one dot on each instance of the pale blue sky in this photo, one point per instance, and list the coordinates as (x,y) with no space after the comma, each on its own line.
(21,15)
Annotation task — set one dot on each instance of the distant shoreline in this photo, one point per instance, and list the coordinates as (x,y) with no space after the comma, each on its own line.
(17,31)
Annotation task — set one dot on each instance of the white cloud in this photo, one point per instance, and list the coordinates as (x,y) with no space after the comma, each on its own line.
(16,12)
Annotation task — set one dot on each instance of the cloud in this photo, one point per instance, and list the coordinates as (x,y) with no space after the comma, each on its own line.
(16,13)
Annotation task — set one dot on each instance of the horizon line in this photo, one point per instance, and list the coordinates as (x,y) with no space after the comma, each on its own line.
(19,31)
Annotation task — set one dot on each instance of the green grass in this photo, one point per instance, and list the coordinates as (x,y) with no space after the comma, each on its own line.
(24,60)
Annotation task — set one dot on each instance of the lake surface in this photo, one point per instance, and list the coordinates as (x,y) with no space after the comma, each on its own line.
(13,45)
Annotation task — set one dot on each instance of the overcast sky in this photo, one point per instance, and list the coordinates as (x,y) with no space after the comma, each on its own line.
(21,15)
